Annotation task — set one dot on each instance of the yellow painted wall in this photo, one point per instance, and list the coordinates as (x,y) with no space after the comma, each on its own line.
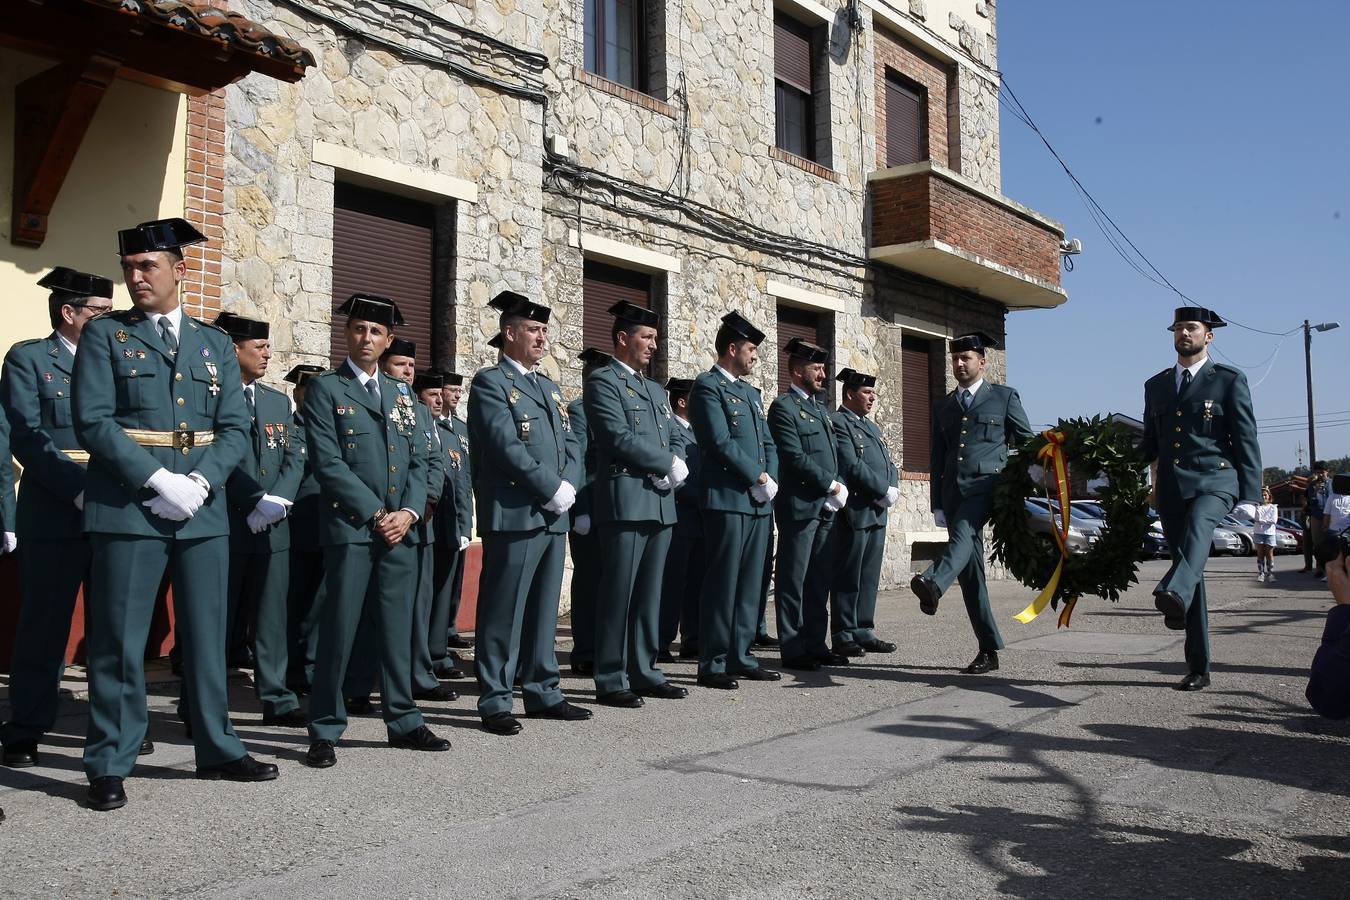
(129,169)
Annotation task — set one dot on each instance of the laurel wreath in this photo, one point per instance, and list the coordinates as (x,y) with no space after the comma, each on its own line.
(1093,447)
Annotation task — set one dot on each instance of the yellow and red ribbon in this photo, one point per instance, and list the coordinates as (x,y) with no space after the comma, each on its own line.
(1053,454)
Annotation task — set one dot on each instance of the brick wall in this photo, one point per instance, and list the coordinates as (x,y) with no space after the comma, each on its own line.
(923,206)
(204,205)
(895,54)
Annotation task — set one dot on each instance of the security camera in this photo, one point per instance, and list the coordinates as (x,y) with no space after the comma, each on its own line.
(1071,247)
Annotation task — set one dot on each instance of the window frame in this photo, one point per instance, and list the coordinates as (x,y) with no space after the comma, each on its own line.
(596,55)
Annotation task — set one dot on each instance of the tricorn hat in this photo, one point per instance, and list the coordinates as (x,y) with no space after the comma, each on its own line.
(805,350)
(372,308)
(452,379)
(400,347)
(854,379)
(679,385)
(1207,317)
(298,375)
(242,329)
(634,314)
(738,323)
(594,357)
(509,303)
(62,280)
(161,234)
(976,340)
(424,381)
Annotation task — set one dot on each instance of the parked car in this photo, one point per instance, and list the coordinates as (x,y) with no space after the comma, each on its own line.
(1292,528)
(1082,533)
(1155,543)
(1227,542)
(1243,527)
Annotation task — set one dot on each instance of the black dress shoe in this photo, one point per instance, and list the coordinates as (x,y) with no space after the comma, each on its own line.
(663,691)
(458,642)
(689,651)
(359,706)
(759,674)
(420,738)
(624,699)
(439,692)
(106,793)
(832,658)
(1193,681)
(927,593)
(562,711)
(21,754)
(147,747)
(876,645)
(245,768)
(583,669)
(291,718)
(299,688)
(718,680)
(850,649)
(321,755)
(665,656)
(984,661)
(1169,604)
(801,663)
(450,673)
(765,640)
(502,723)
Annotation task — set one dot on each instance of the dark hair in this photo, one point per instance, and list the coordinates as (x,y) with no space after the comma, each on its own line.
(56,300)
(677,396)
(1320,465)
(505,319)
(628,328)
(726,336)
(851,389)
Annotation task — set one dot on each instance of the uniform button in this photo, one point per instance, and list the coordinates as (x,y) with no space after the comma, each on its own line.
(960,459)
(1178,412)
(393,490)
(182,425)
(262,471)
(962,445)
(177,376)
(351,431)
(59,394)
(1176,444)
(1178,429)
(335,506)
(181,401)
(1176,462)
(393,468)
(963,431)
(391,448)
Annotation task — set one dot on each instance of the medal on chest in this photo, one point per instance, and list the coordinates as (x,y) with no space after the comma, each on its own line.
(271,435)
(1209,410)
(562,411)
(214,389)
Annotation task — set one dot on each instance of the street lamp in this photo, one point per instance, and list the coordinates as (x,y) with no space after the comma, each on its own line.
(1307,365)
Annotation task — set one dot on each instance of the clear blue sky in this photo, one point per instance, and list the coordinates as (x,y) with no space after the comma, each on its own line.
(1218,138)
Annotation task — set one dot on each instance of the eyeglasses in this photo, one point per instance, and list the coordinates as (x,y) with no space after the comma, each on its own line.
(93,310)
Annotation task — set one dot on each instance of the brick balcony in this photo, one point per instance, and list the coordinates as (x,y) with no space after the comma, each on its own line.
(929,220)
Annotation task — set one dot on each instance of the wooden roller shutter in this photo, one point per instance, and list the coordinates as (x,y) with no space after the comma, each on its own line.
(905,114)
(383,244)
(797,323)
(603,286)
(792,53)
(916,402)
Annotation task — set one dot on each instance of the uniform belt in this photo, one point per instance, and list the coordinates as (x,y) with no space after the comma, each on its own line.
(182,439)
(79,456)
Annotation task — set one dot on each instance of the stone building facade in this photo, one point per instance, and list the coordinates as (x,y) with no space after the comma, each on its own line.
(540,170)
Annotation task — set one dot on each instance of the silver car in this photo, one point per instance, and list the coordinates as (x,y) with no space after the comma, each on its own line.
(1083,530)
(1244,527)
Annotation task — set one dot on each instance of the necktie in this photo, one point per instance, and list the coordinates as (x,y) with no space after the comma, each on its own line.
(248,395)
(965,399)
(166,333)
(373,388)
(1185,378)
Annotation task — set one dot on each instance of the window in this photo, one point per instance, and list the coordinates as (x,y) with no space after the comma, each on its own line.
(384,244)
(906,115)
(916,402)
(616,41)
(602,287)
(794,87)
(809,326)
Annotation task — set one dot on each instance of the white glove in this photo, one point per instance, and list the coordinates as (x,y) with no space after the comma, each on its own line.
(771,489)
(79,501)
(940,518)
(661,484)
(273,507)
(582,524)
(1037,473)
(256,521)
(679,472)
(181,491)
(892,496)
(463,544)
(837,501)
(562,499)
(1247,509)
(10,542)
(764,492)
(167,510)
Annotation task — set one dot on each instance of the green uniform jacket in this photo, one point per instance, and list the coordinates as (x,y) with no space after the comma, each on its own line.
(865,466)
(1204,441)
(581,429)
(806,456)
(454,514)
(733,435)
(274,464)
(970,447)
(631,427)
(7,514)
(125,377)
(35,391)
(684,442)
(366,458)
(304,515)
(424,532)
(523,449)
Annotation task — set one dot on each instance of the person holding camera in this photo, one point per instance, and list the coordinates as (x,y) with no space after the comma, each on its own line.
(1315,498)
(1329,682)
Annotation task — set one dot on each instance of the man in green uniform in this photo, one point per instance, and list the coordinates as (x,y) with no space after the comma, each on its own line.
(454,516)
(53,550)
(809,496)
(370,461)
(683,578)
(1200,436)
(637,468)
(860,532)
(737,487)
(583,539)
(525,468)
(159,406)
(972,429)
(261,492)
(306,563)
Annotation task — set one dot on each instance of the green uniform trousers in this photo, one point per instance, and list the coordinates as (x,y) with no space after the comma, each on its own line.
(585,587)
(735,547)
(364,664)
(265,578)
(682,582)
(858,554)
(50,575)
(361,577)
(124,581)
(628,615)
(1190,534)
(304,600)
(963,562)
(423,670)
(446,584)
(518,619)
(802,585)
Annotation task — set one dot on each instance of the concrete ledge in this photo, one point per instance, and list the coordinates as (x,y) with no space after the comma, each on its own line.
(926,537)
(626,256)
(383,173)
(809,10)
(795,296)
(963,269)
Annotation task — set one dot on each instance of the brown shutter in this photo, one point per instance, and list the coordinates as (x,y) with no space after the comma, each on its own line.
(904,123)
(916,402)
(796,323)
(383,244)
(792,52)
(602,287)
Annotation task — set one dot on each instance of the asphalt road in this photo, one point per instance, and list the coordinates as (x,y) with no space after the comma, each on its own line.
(1073,772)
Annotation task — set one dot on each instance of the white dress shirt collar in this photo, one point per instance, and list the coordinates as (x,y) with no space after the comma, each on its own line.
(725,374)
(974,389)
(626,367)
(175,317)
(517,365)
(65,342)
(362,377)
(1194,369)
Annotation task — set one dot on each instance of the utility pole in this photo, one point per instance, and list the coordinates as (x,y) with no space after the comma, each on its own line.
(1307,368)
